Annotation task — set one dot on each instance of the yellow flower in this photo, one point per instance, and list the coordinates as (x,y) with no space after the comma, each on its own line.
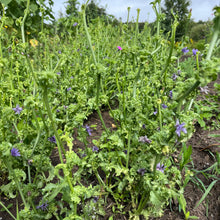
(33,42)
(166,150)
(159,101)
(28,32)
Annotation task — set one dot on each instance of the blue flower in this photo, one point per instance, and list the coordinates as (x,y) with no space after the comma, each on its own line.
(185,50)
(95,199)
(15,152)
(164,106)
(84,155)
(88,129)
(95,149)
(155,112)
(194,51)
(52,139)
(180,127)
(68,89)
(75,24)
(17,110)
(160,167)
(171,94)
(43,207)
(174,77)
(141,171)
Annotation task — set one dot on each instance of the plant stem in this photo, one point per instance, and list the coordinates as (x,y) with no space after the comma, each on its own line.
(174,26)
(129,8)
(128,151)
(138,13)
(16,182)
(59,143)
(212,44)
(96,64)
(23,21)
(7,210)
(142,202)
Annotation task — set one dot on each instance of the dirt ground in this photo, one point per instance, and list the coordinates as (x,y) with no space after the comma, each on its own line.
(203,147)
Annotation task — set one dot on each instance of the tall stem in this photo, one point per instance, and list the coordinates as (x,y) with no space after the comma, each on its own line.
(59,143)
(129,8)
(96,65)
(5,208)
(174,26)
(11,170)
(138,13)
(212,44)
(128,151)
(23,21)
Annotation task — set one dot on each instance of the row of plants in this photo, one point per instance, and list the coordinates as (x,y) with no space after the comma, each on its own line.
(51,84)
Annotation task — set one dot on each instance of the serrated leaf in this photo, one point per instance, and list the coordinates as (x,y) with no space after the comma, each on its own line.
(182,202)
(155,199)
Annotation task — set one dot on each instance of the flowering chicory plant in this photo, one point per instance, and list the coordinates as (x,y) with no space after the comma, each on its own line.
(180,127)
(145,94)
(15,152)
(160,167)
(17,109)
(52,139)
(185,50)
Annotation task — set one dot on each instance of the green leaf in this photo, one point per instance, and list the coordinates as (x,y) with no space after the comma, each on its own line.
(5,2)
(206,193)
(182,203)
(156,199)
(8,207)
(187,215)
(193,217)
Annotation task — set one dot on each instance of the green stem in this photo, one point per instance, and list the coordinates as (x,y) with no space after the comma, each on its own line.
(59,143)
(95,62)
(23,21)
(16,182)
(44,122)
(160,115)
(128,151)
(7,210)
(142,202)
(138,13)
(171,50)
(212,44)
(158,13)
(195,85)
(18,132)
(129,8)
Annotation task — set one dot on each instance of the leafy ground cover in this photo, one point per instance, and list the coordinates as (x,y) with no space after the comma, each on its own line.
(96,122)
(203,148)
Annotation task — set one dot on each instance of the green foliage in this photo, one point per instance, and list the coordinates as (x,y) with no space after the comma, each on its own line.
(59,81)
(200,30)
(14,11)
(179,8)
(71,8)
